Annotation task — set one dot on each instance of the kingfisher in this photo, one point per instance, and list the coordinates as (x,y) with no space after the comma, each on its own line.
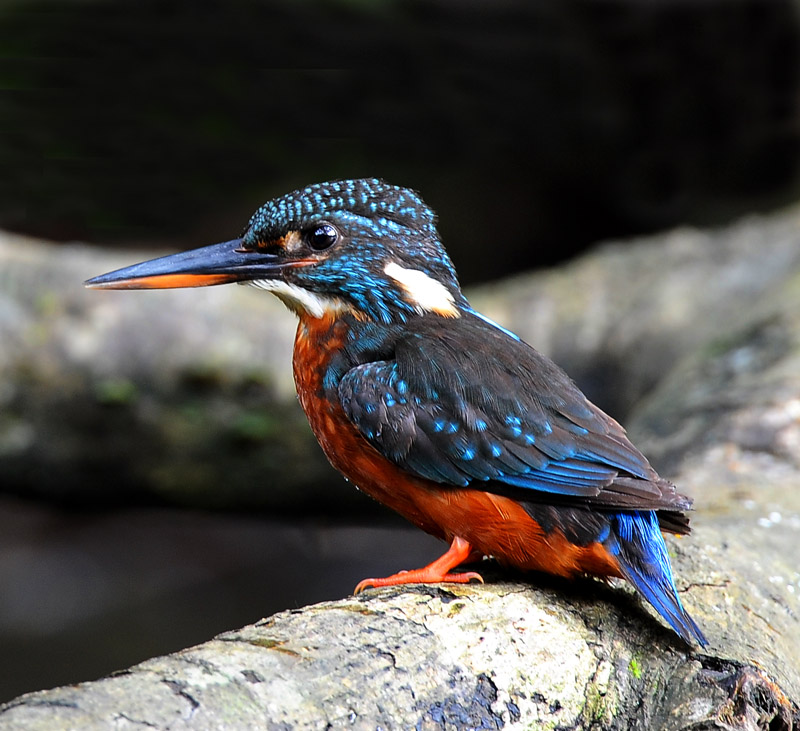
(432,408)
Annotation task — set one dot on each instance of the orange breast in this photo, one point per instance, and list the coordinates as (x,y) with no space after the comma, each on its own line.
(494,525)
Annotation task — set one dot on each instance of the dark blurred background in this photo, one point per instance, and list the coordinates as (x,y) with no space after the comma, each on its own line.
(540,126)
(534,130)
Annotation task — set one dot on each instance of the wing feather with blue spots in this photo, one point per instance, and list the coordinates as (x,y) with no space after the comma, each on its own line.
(506,416)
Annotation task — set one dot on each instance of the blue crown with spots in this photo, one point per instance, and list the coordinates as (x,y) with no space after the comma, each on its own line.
(370,198)
(382,223)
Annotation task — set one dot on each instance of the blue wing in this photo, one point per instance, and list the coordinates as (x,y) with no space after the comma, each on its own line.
(501,417)
(501,414)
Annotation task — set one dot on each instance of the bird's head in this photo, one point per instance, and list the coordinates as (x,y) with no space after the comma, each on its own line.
(357,245)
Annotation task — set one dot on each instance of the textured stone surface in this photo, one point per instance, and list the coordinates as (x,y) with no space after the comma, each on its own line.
(486,657)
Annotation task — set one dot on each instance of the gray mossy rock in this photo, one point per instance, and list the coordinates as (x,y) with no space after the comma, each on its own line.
(503,655)
(618,318)
(543,653)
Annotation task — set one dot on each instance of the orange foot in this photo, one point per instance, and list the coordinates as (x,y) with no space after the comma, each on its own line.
(433,573)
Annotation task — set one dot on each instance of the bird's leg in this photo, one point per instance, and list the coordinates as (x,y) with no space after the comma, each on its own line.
(434,573)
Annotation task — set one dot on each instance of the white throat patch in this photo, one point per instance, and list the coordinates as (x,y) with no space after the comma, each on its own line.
(422,291)
(300,300)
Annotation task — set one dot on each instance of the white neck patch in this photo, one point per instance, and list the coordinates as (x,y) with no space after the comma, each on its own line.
(423,291)
(300,300)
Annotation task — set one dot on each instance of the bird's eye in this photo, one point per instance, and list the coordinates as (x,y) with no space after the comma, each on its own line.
(322,236)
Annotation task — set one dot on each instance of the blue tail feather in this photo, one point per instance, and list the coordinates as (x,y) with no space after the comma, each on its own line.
(643,559)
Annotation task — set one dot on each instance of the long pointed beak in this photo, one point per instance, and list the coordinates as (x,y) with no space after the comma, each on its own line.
(215,264)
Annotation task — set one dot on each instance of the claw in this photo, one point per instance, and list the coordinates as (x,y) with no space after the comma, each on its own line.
(433,573)
(417,577)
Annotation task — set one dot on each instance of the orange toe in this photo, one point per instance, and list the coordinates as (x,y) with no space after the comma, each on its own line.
(418,576)
(434,573)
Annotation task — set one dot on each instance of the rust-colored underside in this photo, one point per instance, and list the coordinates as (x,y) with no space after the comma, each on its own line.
(492,525)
